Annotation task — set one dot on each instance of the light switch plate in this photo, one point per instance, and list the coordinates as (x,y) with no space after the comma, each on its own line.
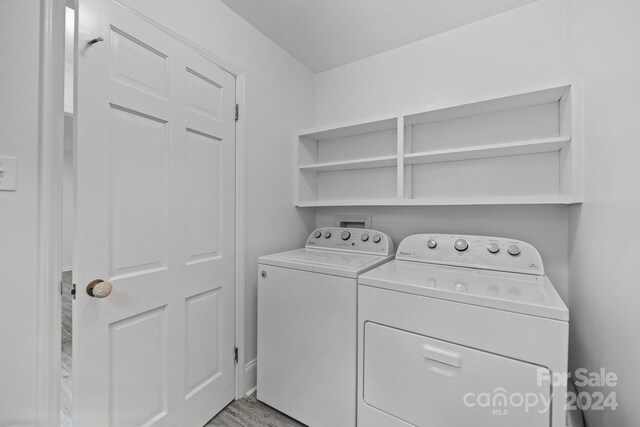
(8,173)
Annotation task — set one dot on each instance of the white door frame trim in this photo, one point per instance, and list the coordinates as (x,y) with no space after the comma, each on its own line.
(51,149)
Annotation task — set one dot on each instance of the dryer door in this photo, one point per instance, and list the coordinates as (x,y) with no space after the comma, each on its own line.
(428,382)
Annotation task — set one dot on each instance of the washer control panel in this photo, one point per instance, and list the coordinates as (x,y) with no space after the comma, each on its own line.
(489,253)
(351,239)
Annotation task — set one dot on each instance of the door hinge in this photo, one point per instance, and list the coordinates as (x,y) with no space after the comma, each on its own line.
(235,355)
(73,291)
(237,112)
(61,287)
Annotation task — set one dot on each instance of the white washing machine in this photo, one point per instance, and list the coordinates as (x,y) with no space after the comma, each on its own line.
(461,331)
(307,320)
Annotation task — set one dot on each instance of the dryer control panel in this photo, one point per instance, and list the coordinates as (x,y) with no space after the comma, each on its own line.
(352,240)
(488,253)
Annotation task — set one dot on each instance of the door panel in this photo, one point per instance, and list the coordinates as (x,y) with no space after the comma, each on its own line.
(203,350)
(138,175)
(155,198)
(204,155)
(137,64)
(204,95)
(137,370)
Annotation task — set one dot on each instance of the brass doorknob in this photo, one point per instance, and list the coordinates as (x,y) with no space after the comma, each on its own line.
(99,288)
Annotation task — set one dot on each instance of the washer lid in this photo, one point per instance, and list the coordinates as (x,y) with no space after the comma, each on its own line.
(337,263)
(515,292)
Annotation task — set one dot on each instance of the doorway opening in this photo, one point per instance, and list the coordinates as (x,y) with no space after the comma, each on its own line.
(68,224)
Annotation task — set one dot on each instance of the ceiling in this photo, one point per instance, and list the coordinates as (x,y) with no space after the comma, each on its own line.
(323,34)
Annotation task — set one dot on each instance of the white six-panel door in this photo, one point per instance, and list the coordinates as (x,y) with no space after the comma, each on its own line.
(155,160)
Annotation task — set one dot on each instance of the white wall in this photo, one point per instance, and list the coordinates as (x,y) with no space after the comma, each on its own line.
(604,47)
(279,99)
(19,50)
(516,50)
(511,52)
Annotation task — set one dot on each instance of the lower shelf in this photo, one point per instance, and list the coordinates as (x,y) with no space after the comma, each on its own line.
(457,201)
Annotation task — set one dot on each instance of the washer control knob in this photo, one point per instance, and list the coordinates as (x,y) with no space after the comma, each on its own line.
(461,245)
(514,250)
(345,235)
(493,248)
(317,234)
(327,234)
(365,237)
(431,244)
(461,287)
(377,238)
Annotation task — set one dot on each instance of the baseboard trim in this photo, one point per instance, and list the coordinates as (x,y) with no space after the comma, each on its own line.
(250,377)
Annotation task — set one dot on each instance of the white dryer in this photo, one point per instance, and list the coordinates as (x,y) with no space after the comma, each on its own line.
(461,331)
(307,320)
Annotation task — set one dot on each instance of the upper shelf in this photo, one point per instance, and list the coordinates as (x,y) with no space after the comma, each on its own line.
(350,129)
(484,106)
(493,150)
(443,111)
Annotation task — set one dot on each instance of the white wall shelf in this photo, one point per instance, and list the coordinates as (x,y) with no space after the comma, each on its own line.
(486,151)
(350,129)
(516,149)
(373,162)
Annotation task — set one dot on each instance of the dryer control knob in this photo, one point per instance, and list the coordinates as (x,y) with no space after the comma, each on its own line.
(327,234)
(493,248)
(365,237)
(317,234)
(431,244)
(514,250)
(345,235)
(377,238)
(461,245)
